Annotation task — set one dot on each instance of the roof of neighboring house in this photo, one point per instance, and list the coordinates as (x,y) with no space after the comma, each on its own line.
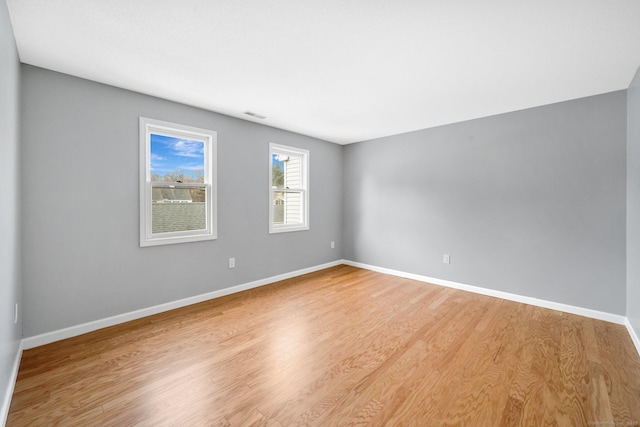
(167,217)
(166,193)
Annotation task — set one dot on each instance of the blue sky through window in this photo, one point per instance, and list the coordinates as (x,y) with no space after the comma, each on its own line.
(276,161)
(169,154)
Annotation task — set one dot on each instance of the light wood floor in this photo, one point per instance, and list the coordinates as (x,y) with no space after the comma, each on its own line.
(342,346)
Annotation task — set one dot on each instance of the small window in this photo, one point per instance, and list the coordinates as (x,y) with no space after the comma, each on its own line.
(288,189)
(177,183)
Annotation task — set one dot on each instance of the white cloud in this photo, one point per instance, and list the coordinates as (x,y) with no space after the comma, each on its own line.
(188,148)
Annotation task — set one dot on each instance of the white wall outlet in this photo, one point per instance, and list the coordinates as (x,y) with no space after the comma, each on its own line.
(333,245)
(232,262)
(15,313)
(446,259)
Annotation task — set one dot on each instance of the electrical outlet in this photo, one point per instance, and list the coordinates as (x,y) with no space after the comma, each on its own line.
(446,259)
(333,245)
(15,313)
(232,263)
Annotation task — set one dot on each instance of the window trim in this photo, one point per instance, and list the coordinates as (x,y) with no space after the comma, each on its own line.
(285,149)
(209,137)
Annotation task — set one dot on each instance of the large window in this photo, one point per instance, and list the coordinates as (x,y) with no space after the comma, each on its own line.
(288,189)
(177,183)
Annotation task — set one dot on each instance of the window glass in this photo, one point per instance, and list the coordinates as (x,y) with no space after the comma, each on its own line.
(289,195)
(177,188)
(176,159)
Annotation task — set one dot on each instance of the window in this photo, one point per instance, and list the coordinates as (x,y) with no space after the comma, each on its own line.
(177,183)
(288,189)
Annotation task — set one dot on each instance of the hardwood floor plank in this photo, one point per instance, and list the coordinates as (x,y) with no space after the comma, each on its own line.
(599,394)
(574,368)
(430,385)
(623,385)
(342,346)
(379,340)
(479,390)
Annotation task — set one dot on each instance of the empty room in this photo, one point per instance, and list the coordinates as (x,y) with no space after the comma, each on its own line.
(224,213)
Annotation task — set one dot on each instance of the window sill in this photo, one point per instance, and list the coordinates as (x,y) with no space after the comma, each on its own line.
(286,229)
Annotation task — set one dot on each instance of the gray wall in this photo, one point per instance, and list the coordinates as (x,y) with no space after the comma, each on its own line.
(633,203)
(80,163)
(10,288)
(531,202)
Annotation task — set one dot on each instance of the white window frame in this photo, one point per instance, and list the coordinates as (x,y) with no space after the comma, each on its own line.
(209,137)
(294,151)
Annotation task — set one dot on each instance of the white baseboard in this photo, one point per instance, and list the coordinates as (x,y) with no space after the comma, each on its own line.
(600,315)
(61,334)
(632,333)
(73,331)
(13,376)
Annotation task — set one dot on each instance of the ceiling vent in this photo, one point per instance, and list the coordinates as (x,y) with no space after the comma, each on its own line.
(256,115)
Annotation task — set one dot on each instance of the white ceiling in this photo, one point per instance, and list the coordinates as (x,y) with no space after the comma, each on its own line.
(340,70)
